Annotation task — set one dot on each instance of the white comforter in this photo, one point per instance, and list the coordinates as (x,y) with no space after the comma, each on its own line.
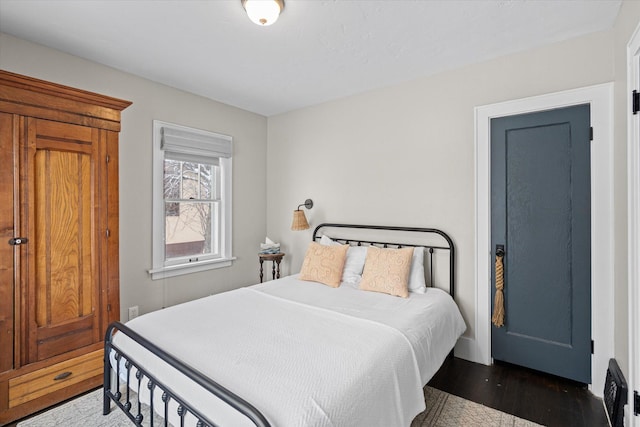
(305,354)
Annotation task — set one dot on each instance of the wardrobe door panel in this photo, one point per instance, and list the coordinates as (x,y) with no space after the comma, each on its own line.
(64,292)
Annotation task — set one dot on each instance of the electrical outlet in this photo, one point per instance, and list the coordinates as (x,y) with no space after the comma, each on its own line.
(133,312)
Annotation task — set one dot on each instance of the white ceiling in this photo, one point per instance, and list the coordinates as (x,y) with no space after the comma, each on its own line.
(317,51)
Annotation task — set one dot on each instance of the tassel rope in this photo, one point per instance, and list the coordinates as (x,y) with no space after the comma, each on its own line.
(498,304)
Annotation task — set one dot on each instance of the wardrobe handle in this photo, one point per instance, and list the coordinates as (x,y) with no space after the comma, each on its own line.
(18,241)
(62,376)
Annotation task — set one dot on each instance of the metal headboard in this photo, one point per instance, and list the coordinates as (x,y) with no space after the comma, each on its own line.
(340,233)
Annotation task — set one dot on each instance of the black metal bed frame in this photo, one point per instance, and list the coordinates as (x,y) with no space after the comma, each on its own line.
(133,408)
(112,392)
(431,248)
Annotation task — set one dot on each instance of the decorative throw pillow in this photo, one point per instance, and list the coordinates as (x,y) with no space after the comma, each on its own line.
(387,271)
(324,264)
(354,263)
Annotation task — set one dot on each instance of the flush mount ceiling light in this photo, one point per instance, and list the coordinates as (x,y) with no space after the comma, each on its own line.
(263,12)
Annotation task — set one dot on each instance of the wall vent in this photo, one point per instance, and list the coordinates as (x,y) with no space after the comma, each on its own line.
(615,394)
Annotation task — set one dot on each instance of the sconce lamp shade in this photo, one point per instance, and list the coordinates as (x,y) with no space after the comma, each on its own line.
(299,218)
(263,12)
(299,221)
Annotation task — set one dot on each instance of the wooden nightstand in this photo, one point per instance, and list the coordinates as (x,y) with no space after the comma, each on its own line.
(275,266)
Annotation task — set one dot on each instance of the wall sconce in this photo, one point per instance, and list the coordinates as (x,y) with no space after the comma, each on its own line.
(299,219)
(263,12)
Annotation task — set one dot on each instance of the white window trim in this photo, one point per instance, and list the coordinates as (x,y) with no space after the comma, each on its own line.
(159,269)
(633,200)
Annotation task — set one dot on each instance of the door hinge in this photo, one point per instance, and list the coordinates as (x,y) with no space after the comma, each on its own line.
(591,134)
(635,102)
(592,347)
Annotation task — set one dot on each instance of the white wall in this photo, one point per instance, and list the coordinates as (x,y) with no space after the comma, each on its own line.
(404,155)
(155,101)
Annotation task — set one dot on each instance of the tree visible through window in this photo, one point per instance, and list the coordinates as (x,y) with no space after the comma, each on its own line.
(190,201)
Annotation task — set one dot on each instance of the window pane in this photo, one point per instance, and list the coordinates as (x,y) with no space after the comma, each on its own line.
(197,181)
(189,233)
(207,179)
(172,179)
(190,180)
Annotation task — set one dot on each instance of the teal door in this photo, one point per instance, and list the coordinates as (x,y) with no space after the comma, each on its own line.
(541,217)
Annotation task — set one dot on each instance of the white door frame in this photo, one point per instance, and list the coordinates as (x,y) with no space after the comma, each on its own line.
(602,296)
(633,200)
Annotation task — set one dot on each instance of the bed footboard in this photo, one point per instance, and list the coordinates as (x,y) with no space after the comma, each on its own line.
(113,393)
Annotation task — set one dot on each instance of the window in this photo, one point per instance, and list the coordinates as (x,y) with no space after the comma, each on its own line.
(191,200)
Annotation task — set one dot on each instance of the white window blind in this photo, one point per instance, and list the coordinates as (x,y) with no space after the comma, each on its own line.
(192,145)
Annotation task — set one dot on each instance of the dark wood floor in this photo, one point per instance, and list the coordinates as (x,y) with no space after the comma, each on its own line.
(528,394)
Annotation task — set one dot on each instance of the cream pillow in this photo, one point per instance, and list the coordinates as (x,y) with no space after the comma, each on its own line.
(324,264)
(387,271)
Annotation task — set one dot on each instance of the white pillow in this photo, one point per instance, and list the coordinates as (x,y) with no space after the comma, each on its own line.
(354,264)
(324,240)
(356,256)
(417,283)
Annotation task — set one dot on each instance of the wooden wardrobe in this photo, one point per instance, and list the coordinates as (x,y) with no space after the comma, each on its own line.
(59,273)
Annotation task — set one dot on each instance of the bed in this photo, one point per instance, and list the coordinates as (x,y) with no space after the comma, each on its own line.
(296,351)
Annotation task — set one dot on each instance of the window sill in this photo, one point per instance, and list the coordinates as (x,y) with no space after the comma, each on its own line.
(192,267)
